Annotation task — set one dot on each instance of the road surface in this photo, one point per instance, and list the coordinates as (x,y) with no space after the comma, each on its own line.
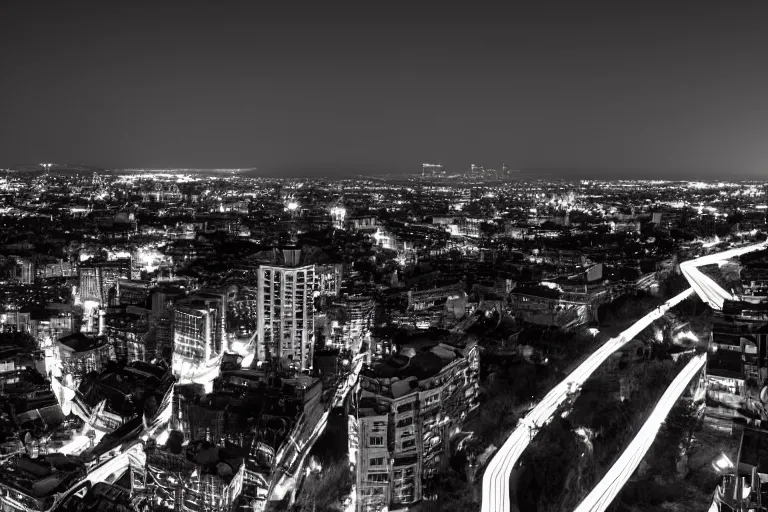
(709,291)
(495,497)
(608,488)
(290,458)
(714,295)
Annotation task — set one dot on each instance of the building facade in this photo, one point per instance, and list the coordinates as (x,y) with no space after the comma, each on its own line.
(404,423)
(194,326)
(98,282)
(286,319)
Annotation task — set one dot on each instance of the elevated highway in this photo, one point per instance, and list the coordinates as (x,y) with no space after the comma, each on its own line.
(495,497)
(495,491)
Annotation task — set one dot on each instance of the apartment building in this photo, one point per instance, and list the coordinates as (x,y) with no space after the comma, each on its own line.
(286,304)
(98,281)
(409,408)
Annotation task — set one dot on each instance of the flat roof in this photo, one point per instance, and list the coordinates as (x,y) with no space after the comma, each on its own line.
(754,449)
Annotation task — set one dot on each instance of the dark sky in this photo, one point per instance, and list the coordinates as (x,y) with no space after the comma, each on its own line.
(575,89)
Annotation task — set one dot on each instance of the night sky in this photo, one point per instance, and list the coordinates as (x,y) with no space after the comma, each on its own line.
(573,89)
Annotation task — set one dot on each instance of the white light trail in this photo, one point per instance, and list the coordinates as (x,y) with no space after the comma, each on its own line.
(496,477)
(709,291)
(608,488)
(687,335)
(289,459)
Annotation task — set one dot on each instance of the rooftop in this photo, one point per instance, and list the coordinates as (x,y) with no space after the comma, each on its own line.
(80,342)
(44,476)
(412,364)
(754,449)
(209,459)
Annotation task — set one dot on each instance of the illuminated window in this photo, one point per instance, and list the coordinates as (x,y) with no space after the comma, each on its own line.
(405,422)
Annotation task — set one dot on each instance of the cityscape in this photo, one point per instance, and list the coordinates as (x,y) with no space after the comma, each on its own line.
(383,257)
(198,341)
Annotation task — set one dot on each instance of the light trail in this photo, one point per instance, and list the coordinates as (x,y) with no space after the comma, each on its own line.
(714,295)
(709,291)
(289,460)
(496,477)
(608,488)
(495,497)
(106,470)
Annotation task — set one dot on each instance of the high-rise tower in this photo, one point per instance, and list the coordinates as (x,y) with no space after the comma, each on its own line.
(286,311)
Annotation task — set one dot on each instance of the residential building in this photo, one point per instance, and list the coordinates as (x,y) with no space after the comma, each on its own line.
(26,271)
(432,170)
(133,292)
(194,339)
(549,306)
(286,322)
(98,281)
(328,279)
(59,269)
(127,331)
(198,477)
(32,485)
(366,223)
(410,406)
(78,354)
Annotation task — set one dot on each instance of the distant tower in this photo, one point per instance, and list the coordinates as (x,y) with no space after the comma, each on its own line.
(293,208)
(432,170)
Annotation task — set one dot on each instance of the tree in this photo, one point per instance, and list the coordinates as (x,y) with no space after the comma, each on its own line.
(453,494)
(18,338)
(325,491)
(675,434)
(496,413)
(551,458)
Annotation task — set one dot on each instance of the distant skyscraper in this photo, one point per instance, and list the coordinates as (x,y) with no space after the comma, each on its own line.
(135,265)
(26,271)
(432,170)
(286,307)
(98,282)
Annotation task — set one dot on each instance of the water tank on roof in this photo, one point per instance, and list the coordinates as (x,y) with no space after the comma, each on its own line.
(764,395)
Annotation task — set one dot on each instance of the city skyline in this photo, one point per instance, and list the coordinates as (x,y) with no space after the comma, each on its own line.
(588,91)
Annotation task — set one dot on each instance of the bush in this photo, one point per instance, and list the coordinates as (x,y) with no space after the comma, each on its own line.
(324,492)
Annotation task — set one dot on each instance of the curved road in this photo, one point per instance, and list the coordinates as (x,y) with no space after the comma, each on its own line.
(709,291)
(496,477)
(608,488)
(618,475)
(495,497)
